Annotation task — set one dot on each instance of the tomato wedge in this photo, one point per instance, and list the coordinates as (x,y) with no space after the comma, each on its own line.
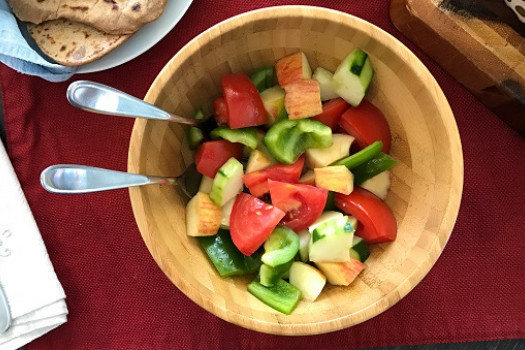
(251,222)
(332,111)
(377,224)
(257,181)
(211,155)
(303,204)
(221,111)
(367,124)
(245,107)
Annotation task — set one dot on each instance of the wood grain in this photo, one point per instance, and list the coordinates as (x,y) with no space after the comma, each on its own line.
(427,183)
(486,56)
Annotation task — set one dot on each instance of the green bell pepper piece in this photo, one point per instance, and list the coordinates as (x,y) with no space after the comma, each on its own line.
(282,296)
(362,156)
(374,166)
(280,247)
(246,136)
(263,78)
(226,258)
(288,139)
(330,204)
(270,275)
(195,135)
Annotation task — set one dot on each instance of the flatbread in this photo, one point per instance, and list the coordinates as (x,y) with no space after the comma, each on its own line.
(74,44)
(109,16)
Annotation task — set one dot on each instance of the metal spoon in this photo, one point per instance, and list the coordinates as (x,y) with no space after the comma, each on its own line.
(72,179)
(100,98)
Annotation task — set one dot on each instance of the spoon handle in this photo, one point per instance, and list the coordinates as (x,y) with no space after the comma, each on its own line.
(70,179)
(100,98)
(5,314)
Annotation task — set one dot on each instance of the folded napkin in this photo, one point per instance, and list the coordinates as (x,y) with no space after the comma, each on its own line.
(17,53)
(34,294)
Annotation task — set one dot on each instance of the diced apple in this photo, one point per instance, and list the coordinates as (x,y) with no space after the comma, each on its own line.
(341,273)
(257,161)
(304,243)
(307,279)
(308,178)
(273,101)
(378,184)
(206,183)
(324,77)
(292,67)
(203,217)
(226,211)
(321,157)
(335,178)
(302,99)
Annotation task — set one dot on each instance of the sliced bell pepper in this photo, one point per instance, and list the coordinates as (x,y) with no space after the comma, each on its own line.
(264,78)
(280,247)
(282,296)
(270,275)
(288,139)
(362,156)
(226,258)
(245,107)
(374,166)
(246,136)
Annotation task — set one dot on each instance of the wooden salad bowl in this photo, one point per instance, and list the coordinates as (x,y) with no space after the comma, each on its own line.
(426,186)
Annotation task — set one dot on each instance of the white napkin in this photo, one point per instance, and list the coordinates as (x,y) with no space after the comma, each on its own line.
(34,294)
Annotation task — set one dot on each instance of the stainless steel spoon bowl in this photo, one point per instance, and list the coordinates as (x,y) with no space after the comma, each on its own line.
(103,99)
(74,179)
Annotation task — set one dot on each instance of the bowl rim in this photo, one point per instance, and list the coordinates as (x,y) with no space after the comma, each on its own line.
(406,286)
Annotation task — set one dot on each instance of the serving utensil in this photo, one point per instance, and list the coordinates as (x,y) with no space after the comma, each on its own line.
(5,315)
(75,179)
(103,99)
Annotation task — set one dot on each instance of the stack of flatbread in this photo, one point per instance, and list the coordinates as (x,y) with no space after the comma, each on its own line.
(76,32)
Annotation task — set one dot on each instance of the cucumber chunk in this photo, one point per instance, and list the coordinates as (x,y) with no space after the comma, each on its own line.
(353,76)
(359,249)
(227,183)
(331,241)
(324,77)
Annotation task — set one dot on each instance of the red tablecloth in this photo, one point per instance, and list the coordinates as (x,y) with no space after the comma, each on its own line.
(119,299)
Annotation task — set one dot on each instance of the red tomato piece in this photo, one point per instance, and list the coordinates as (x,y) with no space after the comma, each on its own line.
(367,124)
(332,111)
(303,204)
(245,107)
(251,222)
(257,181)
(221,111)
(211,155)
(377,224)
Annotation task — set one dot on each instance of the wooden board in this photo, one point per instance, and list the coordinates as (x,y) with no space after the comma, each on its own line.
(480,43)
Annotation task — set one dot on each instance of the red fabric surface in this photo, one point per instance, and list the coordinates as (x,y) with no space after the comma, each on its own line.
(119,299)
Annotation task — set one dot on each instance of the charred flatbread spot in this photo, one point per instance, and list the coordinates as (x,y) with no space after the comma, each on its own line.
(136,7)
(79,8)
(63,48)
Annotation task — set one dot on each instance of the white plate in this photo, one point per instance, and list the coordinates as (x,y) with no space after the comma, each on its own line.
(143,40)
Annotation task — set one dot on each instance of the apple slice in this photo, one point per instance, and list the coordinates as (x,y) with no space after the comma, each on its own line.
(307,279)
(206,184)
(257,161)
(378,184)
(335,178)
(203,217)
(303,99)
(292,67)
(273,101)
(341,273)
(321,157)
(308,178)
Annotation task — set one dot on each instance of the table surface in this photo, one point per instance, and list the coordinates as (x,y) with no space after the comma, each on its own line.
(491,345)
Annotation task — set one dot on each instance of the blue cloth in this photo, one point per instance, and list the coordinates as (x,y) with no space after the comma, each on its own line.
(17,53)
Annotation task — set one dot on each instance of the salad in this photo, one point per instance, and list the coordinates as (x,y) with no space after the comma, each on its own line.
(295,171)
